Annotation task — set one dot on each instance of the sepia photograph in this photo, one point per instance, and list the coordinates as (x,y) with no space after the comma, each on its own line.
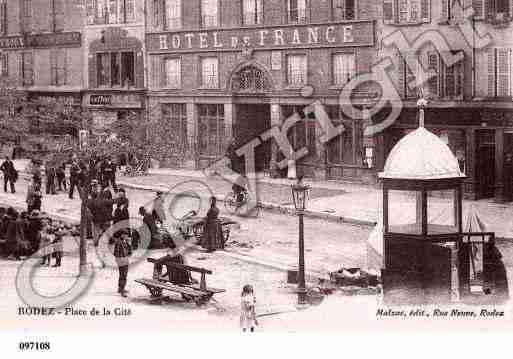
(294,167)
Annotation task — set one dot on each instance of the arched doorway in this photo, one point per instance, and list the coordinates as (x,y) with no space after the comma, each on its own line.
(251,87)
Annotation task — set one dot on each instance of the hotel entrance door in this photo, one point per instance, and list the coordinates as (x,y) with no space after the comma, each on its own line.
(251,121)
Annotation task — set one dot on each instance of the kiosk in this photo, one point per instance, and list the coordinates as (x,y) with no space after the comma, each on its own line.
(425,259)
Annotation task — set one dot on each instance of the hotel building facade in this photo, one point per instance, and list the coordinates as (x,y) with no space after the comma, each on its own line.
(221,69)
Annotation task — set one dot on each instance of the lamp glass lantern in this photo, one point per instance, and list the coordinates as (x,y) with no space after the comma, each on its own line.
(299,195)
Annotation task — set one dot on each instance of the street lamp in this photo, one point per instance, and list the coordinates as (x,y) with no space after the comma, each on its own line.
(299,195)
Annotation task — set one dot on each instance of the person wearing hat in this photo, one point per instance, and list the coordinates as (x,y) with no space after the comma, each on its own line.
(46,239)
(34,227)
(158,208)
(14,234)
(74,177)
(60,174)
(122,253)
(57,245)
(108,173)
(10,174)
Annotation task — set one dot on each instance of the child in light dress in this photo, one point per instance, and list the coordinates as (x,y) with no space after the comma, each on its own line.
(248,316)
(46,238)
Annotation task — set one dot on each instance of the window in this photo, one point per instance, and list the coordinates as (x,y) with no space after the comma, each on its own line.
(102,66)
(446,81)
(209,13)
(501,7)
(26,15)
(115,69)
(58,15)
(297,11)
(252,12)
(58,67)
(344,68)
(211,130)
(127,69)
(302,134)
(4,64)
(499,62)
(406,75)
(110,11)
(27,70)
(173,14)
(174,116)
(157,12)
(296,70)
(344,9)
(3,17)
(173,73)
(347,148)
(209,72)
(406,11)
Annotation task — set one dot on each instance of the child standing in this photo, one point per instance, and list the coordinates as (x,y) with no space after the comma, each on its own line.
(248,316)
(57,246)
(46,239)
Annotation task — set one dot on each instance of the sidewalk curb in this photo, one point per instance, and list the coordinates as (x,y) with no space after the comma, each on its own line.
(312,276)
(271,207)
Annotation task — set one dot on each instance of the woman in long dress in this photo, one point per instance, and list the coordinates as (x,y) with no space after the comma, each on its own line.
(212,233)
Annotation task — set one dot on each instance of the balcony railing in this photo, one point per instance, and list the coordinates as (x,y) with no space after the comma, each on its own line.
(209,20)
(252,18)
(298,16)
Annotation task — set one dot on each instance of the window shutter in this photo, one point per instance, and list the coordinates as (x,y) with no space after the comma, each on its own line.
(5,64)
(478,8)
(163,77)
(503,72)
(59,15)
(3,18)
(425,10)
(410,77)
(53,67)
(489,9)
(64,65)
(90,11)
(389,11)
(434,72)
(28,73)
(401,79)
(445,10)
(93,70)
(490,61)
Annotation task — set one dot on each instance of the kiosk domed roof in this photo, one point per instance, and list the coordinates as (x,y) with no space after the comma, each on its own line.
(421,155)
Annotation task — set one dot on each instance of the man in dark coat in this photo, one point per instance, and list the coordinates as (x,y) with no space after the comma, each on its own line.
(35,225)
(108,171)
(10,174)
(122,252)
(74,177)
(50,174)
(60,174)
(15,234)
(100,217)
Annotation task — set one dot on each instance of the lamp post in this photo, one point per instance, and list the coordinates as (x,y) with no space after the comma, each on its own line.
(299,194)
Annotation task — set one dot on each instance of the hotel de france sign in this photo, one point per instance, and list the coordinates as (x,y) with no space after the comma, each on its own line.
(357,33)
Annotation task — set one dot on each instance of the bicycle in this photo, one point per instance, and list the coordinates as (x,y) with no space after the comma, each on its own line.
(241,204)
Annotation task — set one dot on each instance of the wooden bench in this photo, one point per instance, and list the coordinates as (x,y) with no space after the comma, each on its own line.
(177,279)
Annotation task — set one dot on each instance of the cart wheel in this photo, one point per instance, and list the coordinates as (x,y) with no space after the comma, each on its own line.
(155,292)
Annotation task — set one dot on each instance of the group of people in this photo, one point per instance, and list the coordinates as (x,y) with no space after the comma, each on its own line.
(100,169)
(25,234)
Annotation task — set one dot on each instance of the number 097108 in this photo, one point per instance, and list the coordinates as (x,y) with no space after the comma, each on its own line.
(34,346)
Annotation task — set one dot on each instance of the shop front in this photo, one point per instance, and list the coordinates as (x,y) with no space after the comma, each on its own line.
(110,110)
(480,138)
